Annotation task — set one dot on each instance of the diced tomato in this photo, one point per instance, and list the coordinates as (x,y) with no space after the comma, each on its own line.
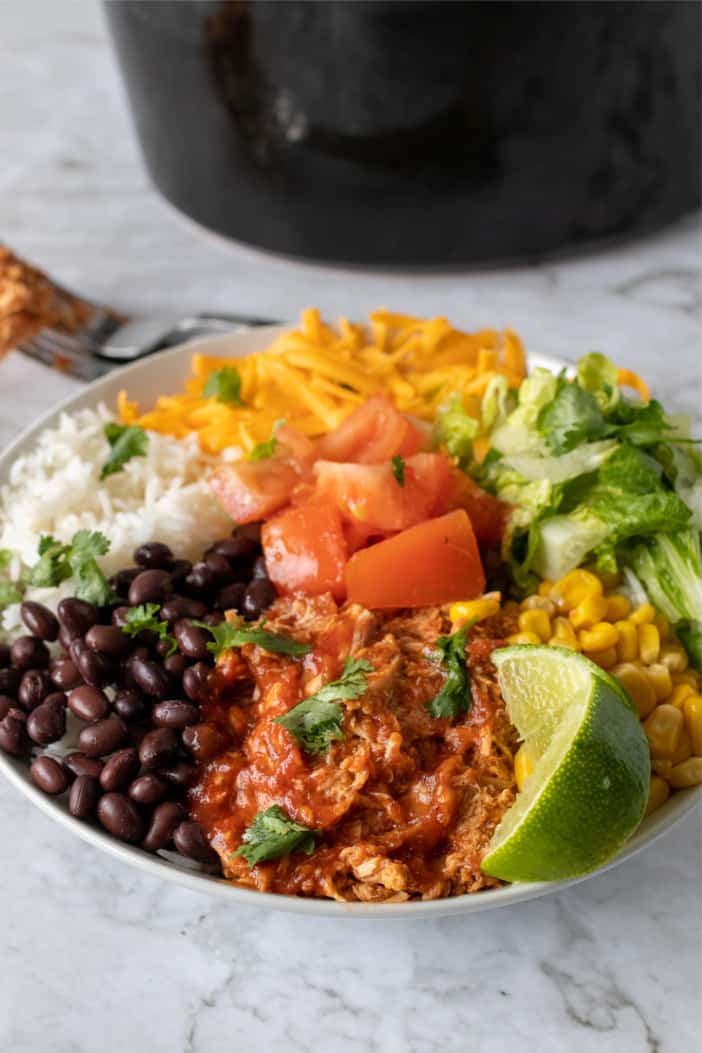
(295,448)
(371,495)
(305,550)
(431,563)
(486,513)
(358,535)
(374,433)
(252,490)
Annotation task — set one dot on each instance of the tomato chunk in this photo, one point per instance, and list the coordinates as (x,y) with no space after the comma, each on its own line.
(305,550)
(374,432)
(486,513)
(370,495)
(252,490)
(431,563)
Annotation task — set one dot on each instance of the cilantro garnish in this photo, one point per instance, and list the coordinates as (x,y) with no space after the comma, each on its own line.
(316,722)
(263,450)
(5,557)
(454,698)
(232,634)
(126,441)
(58,561)
(273,834)
(398,469)
(224,385)
(9,593)
(144,617)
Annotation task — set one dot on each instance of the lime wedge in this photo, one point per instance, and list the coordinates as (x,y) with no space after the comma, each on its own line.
(588,788)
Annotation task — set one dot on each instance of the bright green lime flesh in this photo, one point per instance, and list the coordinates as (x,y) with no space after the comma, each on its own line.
(588,789)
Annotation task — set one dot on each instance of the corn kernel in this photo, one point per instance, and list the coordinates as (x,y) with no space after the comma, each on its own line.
(649,643)
(604,659)
(617,607)
(687,773)
(541,603)
(663,625)
(638,687)
(643,615)
(600,637)
(479,609)
(628,643)
(684,749)
(524,638)
(661,766)
(675,657)
(692,708)
(523,765)
(658,794)
(535,621)
(555,641)
(545,588)
(663,729)
(573,587)
(680,693)
(592,610)
(658,677)
(688,677)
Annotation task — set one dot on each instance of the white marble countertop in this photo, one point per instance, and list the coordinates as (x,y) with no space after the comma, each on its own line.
(97,956)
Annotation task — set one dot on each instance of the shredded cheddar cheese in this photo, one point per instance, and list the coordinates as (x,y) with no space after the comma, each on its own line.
(315,376)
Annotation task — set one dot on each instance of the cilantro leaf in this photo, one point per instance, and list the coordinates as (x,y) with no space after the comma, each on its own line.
(91,584)
(316,722)
(9,593)
(52,567)
(273,834)
(5,557)
(232,634)
(398,469)
(126,441)
(144,617)
(641,424)
(454,698)
(263,450)
(224,385)
(573,416)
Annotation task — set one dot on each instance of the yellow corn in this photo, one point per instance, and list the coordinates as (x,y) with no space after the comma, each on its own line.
(675,657)
(688,773)
(573,588)
(643,614)
(484,607)
(661,766)
(590,611)
(524,638)
(617,607)
(684,749)
(535,621)
(658,794)
(541,603)
(687,677)
(628,642)
(563,634)
(663,625)
(546,587)
(649,643)
(600,637)
(680,693)
(663,729)
(658,677)
(523,765)
(606,659)
(637,686)
(692,708)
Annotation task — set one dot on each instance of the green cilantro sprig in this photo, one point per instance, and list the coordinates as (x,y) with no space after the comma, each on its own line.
(9,593)
(137,619)
(316,722)
(273,834)
(454,698)
(126,441)
(225,386)
(398,469)
(58,561)
(263,450)
(233,634)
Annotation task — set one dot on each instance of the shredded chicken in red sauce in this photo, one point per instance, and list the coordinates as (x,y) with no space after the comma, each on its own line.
(406,802)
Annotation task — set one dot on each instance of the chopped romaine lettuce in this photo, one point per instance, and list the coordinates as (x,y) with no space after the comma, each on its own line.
(519,432)
(498,402)
(585,458)
(455,429)
(564,541)
(597,374)
(670,567)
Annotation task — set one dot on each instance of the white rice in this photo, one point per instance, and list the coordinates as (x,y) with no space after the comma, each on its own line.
(56,489)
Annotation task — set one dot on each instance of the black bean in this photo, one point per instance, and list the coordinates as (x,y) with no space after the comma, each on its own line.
(49,775)
(47,723)
(195,682)
(120,769)
(4,655)
(180,773)
(76,616)
(13,733)
(150,677)
(231,548)
(128,680)
(64,638)
(192,640)
(79,764)
(88,703)
(204,741)
(173,713)
(180,570)
(29,652)
(213,618)
(153,556)
(129,704)
(121,581)
(158,747)
(84,795)
(64,673)
(151,586)
(95,669)
(39,620)
(103,737)
(221,567)
(9,682)
(189,838)
(76,648)
(119,616)
(166,818)
(6,704)
(175,665)
(201,580)
(245,541)
(182,607)
(163,648)
(147,789)
(258,596)
(120,817)
(136,734)
(108,640)
(259,568)
(231,597)
(34,686)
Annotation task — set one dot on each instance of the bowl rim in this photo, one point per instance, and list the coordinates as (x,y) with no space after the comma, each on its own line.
(234,345)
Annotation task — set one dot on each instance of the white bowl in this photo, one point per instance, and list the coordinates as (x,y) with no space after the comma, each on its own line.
(164,373)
